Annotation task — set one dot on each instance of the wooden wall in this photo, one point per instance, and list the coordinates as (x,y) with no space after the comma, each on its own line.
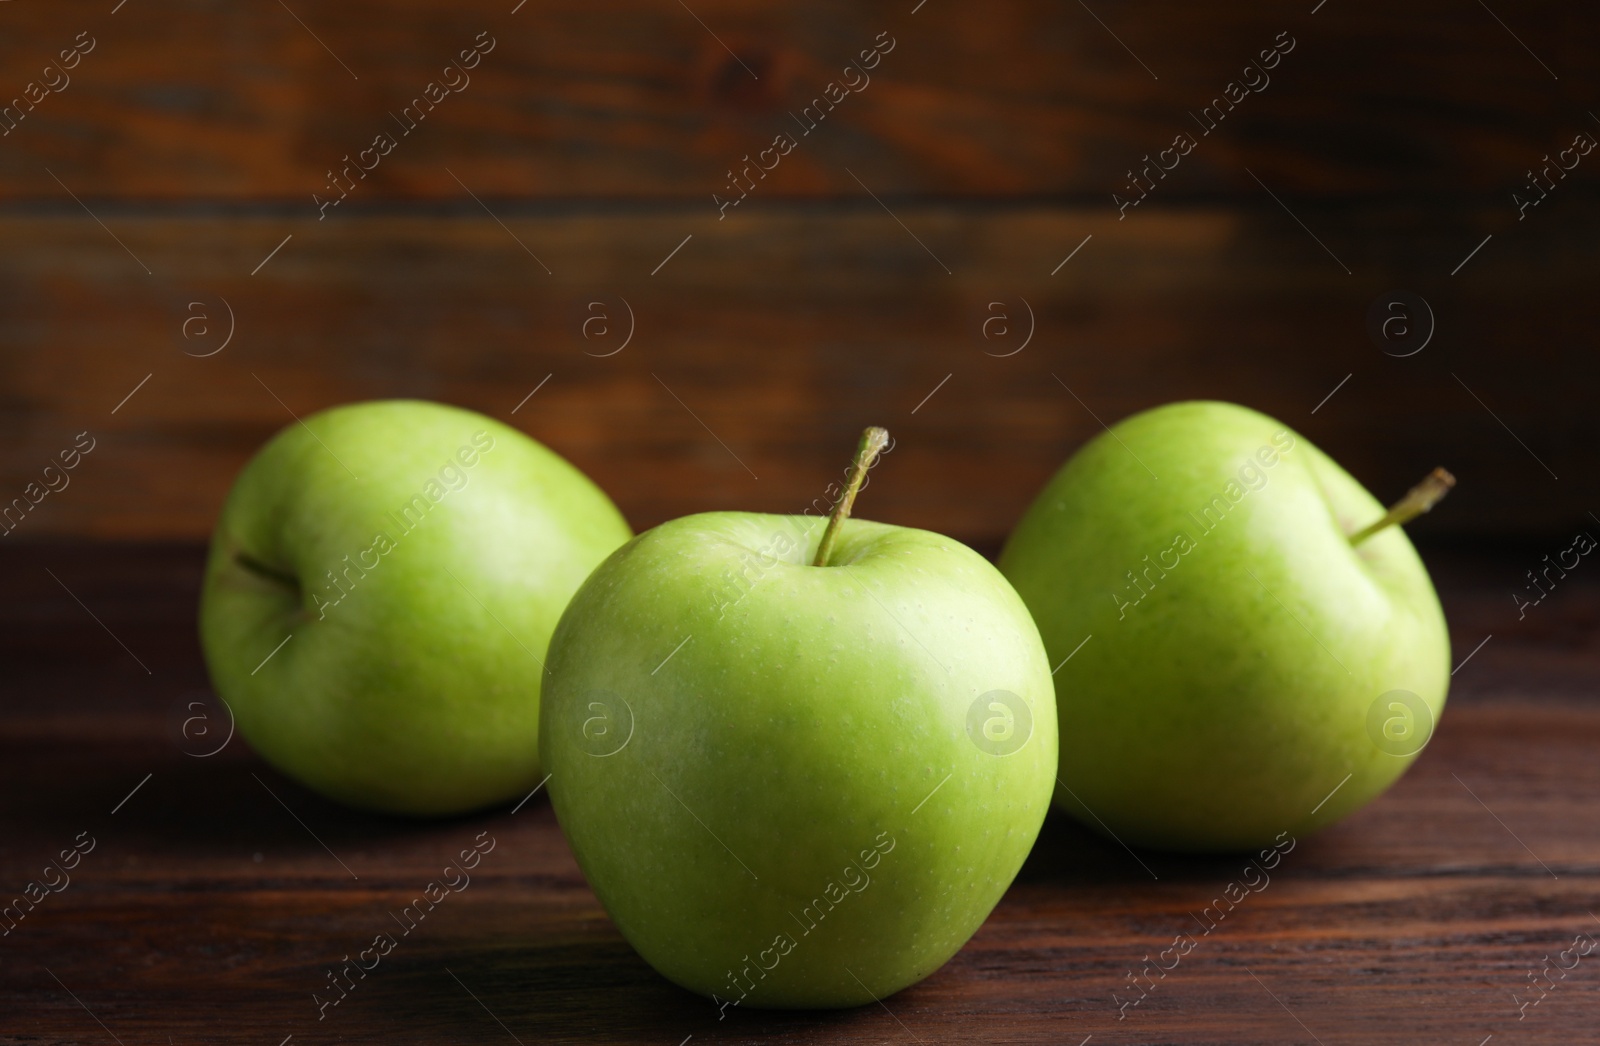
(597,133)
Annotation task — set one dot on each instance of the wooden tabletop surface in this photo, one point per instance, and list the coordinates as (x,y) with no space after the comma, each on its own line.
(212,895)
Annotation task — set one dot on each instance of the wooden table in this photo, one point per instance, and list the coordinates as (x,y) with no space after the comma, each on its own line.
(218,894)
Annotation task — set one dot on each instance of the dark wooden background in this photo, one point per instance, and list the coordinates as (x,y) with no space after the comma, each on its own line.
(578,166)
(196,133)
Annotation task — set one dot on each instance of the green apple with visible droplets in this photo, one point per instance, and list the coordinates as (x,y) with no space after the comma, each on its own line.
(799,767)
(1255,648)
(381,589)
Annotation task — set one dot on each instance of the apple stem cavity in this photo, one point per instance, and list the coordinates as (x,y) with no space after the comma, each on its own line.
(872,443)
(260,569)
(1419,499)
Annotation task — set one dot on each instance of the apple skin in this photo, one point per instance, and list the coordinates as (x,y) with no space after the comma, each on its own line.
(413,686)
(1218,709)
(733,734)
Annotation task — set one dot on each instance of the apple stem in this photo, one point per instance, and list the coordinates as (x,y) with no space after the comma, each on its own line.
(872,443)
(1419,499)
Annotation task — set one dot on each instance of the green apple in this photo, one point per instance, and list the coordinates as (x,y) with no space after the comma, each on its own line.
(380,593)
(1248,657)
(790,784)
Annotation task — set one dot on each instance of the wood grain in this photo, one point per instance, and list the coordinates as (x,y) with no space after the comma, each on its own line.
(846,288)
(639,100)
(765,343)
(205,913)
(173,179)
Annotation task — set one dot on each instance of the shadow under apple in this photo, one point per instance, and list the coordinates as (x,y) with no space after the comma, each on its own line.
(585,987)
